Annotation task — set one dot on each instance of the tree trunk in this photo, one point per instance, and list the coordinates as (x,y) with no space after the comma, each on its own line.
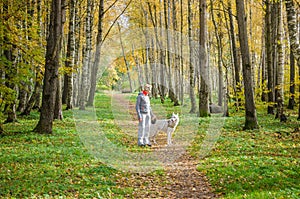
(203,64)
(269,58)
(280,64)
(162,58)
(220,52)
(97,55)
(263,77)
(37,99)
(292,82)
(177,55)
(148,42)
(227,68)
(76,74)
(125,60)
(10,72)
(37,91)
(226,95)
(153,68)
(292,27)
(181,54)
(191,61)
(166,8)
(161,54)
(70,59)
(58,114)
(250,115)
(139,69)
(23,97)
(51,68)
(293,31)
(236,62)
(86,62)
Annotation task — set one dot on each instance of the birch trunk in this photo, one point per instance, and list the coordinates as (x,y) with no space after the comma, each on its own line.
(58,114)
(191,61)
(70,59)
(87,54)
(176,44)
(236,62)
(280,63)
(181,73)
(125,60)
(292,82)
(269,58)
(204,79)
(76,74)
(293,32)
(219,56)
(161,54)
(96,62)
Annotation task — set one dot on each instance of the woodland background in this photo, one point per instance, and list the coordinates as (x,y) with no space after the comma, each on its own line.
(56,55)
(227,60)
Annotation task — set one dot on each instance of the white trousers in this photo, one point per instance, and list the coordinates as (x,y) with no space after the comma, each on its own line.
(144,129)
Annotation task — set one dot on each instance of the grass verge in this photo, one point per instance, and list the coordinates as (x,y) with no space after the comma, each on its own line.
(53,166)
(256,164)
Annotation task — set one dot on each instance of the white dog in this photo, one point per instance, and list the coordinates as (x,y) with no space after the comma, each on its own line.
(168,126)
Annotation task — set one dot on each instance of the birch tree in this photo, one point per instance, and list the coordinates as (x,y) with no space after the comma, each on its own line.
(293,32)
(204,79)
(177,55)
(219,54)
(279,62)
(70,58)
(87,55)
(235,56)
(191,61)
(292,101)
(269,57)
(125,59)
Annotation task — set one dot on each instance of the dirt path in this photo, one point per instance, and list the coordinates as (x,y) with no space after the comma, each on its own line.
(180,179)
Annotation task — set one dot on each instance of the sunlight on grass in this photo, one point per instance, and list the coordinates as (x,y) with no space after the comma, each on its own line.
(48,166)
(261,163)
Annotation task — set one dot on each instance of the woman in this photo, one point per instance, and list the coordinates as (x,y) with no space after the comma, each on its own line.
(144,113)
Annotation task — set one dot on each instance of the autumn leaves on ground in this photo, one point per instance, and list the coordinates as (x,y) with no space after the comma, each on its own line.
(262,163)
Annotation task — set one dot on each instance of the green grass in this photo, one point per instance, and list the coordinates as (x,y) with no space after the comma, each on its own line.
(261,163)
(52,166)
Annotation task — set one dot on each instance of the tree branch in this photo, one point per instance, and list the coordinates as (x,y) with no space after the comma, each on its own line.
(115,21)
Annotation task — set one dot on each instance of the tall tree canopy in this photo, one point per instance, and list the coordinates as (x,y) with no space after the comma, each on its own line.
(63,51)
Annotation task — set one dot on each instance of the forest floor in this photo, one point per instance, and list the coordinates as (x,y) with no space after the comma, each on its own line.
(180,180)
(72,162)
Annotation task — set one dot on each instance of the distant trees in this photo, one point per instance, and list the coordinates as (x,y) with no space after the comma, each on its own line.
(187,49)
(21,57)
